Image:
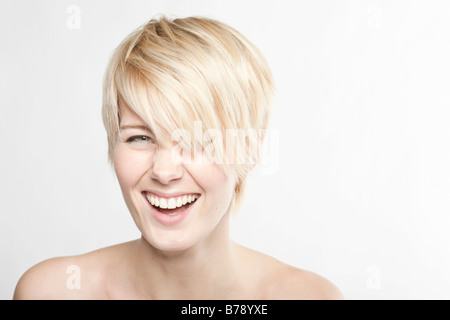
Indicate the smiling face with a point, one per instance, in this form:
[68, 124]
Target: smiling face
[196, 194]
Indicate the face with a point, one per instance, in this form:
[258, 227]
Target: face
[196, 194]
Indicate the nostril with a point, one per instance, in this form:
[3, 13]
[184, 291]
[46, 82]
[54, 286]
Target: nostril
[165, 173]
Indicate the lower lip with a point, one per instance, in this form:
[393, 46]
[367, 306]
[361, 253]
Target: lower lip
[167, 219]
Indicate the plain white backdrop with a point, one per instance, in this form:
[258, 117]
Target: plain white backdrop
[359, 183]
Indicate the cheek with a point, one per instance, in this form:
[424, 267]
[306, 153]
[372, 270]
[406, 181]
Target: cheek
[218, 186]
[129, 166]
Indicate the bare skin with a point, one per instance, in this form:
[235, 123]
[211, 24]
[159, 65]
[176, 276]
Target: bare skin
[213, 268]
[195, 259]
[123, 272]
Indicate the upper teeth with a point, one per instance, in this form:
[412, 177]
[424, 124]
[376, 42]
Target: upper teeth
[170, 203]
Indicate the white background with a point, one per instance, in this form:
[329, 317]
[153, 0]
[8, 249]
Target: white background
[359, 183]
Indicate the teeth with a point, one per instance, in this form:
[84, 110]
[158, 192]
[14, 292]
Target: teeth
[162, 203]
[170, 203]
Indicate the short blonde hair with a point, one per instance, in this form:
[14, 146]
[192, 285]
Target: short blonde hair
[174, 72]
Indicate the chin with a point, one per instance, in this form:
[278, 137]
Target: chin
[169, 242]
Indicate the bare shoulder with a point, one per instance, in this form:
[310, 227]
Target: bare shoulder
[71, 277]
[294, 283]
[50, 279]
[280, 281]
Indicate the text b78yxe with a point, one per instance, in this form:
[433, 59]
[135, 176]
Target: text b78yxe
[245, 309]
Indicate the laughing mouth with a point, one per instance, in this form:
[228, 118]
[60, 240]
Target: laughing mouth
[173, 205]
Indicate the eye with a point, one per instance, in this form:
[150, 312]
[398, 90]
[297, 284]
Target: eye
[139, 139]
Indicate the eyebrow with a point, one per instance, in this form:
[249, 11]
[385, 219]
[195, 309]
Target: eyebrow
[141, 127]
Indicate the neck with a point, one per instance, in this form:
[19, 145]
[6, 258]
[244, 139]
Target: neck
[205, 270]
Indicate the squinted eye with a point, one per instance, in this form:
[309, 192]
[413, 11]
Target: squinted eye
[139, 139]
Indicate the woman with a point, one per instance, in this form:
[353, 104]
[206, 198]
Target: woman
[185, 106]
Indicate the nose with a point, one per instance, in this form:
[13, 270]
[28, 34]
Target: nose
[167, 165]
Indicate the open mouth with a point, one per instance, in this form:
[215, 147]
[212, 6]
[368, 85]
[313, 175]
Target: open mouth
[171, 206]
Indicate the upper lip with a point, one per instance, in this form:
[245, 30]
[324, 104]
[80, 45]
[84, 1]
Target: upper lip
[169, 195]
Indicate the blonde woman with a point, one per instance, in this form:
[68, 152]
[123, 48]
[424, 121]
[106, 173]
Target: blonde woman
[177, 96]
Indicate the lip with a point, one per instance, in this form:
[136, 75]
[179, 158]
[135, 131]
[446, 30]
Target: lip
[164, 218]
